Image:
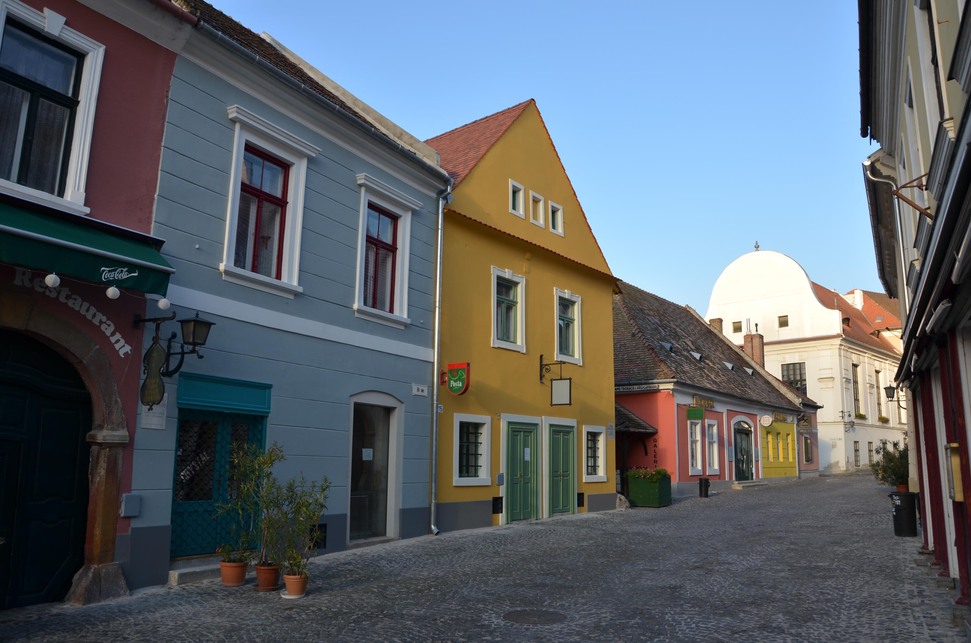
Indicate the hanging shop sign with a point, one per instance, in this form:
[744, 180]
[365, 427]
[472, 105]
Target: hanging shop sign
[458, 378]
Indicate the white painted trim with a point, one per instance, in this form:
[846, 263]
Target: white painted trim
[561, 229]
[93, 54]
[396, 432]
[519, 345]
[577, 330]
[696, 471]
[537, 209]
[297, 146]
[258, 281]
[513, 187]
[486, 451]
[260, 316]
[403, 206]
[589, 429]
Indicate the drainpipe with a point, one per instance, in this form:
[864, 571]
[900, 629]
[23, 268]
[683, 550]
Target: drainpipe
[444, 198]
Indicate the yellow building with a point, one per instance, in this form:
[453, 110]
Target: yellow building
[526, 381]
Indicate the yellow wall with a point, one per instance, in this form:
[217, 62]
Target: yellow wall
[774, 464]
[506, 381]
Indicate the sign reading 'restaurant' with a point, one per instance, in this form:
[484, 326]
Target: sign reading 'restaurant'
[28, 279]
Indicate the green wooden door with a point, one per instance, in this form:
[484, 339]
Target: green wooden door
[45, 412]
[202, 477]
[562, 478]
[521, 482]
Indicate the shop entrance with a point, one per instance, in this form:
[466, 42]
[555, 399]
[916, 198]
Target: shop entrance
[743, 451]
[45, 412]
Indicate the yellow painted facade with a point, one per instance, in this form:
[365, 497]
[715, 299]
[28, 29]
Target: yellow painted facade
[484, 241]
[780, 452]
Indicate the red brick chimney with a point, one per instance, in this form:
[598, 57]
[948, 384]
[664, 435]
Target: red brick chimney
[716, 324]
[754, 347]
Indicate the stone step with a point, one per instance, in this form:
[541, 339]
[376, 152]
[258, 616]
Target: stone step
[749, 484]
[187, 575]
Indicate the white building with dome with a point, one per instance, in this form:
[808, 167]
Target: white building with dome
[839, 350]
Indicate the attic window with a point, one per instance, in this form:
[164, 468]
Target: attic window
[736, 327]
[846, 321]
[749, 370]
[783, 321]
[697, 356]
[668, 346]
[516, 205]
[729, 366]
[879, 319]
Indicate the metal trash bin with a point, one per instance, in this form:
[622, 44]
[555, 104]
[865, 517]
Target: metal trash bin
[704, 484]
[903, 506]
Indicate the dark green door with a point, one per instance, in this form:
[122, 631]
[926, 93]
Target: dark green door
[562, 459]
[202, 477]
[521, 484]
[45, 412]
[743, 452]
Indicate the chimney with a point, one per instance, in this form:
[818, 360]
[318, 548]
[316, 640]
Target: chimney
[754, 347]
[716, 325]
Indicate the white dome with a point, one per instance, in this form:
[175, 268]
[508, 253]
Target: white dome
[758, 275]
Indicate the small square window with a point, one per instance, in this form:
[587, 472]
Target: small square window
[556, 219]
[736, 326]
[537, 208]
[471, 453]
[783, 321]
[516, 205]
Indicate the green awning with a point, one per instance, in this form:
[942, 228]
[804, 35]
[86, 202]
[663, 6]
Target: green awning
[82, 248]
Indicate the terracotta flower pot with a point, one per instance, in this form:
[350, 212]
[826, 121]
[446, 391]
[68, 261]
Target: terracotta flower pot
[267, 578]
[296, 585]
[232, 574]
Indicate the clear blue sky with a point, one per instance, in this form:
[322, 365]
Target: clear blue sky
[690, 130]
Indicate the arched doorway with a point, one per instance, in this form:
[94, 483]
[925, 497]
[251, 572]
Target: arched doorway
[45, 413]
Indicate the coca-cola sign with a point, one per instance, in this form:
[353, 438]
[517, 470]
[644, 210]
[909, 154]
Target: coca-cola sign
[116, 274]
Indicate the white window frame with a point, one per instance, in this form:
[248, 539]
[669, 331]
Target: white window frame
[553, 227]
[485, 450]
[403, 207]
[577, 334]
[514, 188]
[712, 464]
[601, 433]
[255, 131]
[520, 344]
[695, 439]
[537, 209]
[53, 26]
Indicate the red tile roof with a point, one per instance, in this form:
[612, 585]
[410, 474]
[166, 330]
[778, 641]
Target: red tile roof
[463, 147]
[881, 310]
[856, 325]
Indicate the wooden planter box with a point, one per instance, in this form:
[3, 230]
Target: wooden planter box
[644, 493]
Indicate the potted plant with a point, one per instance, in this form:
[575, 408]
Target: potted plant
[255, 505]
[893, 465]
[303, 502]
[649, 487]
[235, 561]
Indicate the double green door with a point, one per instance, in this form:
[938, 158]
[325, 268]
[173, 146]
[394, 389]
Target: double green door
[523, 488]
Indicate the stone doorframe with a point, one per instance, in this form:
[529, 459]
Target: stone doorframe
[100, 578]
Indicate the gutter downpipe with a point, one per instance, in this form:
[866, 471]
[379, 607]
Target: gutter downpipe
[444, 197]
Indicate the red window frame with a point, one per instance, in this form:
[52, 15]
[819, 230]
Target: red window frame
[378, 244]
[262, 197]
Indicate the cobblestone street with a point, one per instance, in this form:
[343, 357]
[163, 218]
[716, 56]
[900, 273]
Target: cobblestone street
[809, 560]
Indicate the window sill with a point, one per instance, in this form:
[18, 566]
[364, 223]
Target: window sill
[42, 198]
[569, 359]
[471, 482]
[259, 282]
[594, 478]
[381, 317]
[518, 348]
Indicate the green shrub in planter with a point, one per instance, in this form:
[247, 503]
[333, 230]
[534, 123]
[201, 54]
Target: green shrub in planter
[648, 487]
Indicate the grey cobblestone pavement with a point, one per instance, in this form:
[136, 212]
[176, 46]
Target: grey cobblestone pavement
[807, 560]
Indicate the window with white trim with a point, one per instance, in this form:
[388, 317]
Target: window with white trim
[516, 198]
[568, 319]
[384, 247]
[265, 215]
[694, 447]
[537, 209]
[556, 218]
[713, 457]
[595, 453]
[49, 80]
[508, 310]
[470, 457]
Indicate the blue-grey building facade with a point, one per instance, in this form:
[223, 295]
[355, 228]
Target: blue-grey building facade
[304, 225]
